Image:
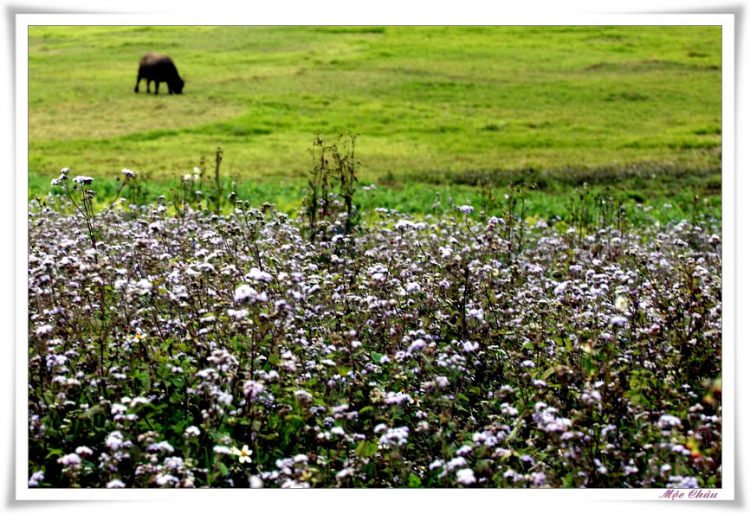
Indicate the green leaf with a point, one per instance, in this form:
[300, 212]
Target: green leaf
[93, 410]
[376, 357]
[587, 367]
[367, 448]
[54, 452]
[414, 480]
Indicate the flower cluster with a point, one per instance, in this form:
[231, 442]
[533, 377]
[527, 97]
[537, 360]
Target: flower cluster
[214, 350]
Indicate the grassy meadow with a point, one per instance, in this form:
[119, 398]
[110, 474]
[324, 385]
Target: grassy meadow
[635, 107]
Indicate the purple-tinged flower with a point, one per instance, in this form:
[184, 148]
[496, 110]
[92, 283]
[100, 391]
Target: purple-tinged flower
[465, 476]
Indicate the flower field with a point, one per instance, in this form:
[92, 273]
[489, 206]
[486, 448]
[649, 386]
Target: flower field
[188, 348]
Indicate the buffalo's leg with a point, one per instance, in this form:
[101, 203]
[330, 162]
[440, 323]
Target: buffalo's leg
[148, 86]
[137, 82]
[156, 89]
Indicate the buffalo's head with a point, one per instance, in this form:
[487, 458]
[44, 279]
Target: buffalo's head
[178, 85]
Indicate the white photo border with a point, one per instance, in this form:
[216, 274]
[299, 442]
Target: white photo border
[268, 499]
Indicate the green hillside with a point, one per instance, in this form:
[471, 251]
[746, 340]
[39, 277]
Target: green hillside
[428, 101]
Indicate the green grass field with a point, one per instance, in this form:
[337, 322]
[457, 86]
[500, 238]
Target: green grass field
[433, 105]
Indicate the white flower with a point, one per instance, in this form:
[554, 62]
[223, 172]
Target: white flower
[412, 286]
[303, 396]
[114, 440]
[630, 469]
[398, 397]
[507, 410]
[192, 431]
[621, 304]
[44, 329]
[243, 454]
[465, 476]
[84, 451]
[162, 479]
[466, 209]
[143, 286]
[83, 180]
[138, 400]
[258, 275]
[485, 438]
[456, 462]
[470, 347]
[253, 389]
[36, 477]
[256, 482]
[115, 484]
[245, 293]
[618, 321]
[345, 473]
[680, 482]
[416, 346]
[237, 314]
[69, 460]
[293, 484]
[395, 436]
[128, 173]
[667, 420]
[162, 446]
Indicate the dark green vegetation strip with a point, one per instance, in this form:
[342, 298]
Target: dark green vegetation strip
[664, 199]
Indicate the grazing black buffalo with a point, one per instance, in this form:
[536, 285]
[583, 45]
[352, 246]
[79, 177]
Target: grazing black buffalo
[159, 68]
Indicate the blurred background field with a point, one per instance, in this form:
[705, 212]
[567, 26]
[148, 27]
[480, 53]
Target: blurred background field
[438, 109]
